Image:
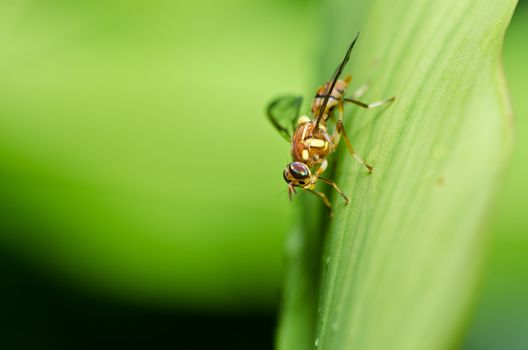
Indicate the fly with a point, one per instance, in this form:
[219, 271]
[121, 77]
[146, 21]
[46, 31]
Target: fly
[311, 143]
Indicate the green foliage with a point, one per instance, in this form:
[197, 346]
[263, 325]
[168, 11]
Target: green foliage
[503, 306]
[135, 159]
[401, 261]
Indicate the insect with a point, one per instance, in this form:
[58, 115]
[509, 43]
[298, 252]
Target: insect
[311, 142]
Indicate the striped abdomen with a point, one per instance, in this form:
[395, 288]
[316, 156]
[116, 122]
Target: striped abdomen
[335, 96]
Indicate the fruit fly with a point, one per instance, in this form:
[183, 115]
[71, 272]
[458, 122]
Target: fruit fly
[311, 142]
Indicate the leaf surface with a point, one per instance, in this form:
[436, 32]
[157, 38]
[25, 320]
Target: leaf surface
[401, 261]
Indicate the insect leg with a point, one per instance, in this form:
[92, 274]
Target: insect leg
[322, 167]
[340, 129]
[369, 105]
[337, 133]
[323, 197]
[360, 91]
[334, 185]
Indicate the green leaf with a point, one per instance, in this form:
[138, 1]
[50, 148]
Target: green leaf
[400, 263]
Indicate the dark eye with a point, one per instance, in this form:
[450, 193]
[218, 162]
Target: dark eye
[299, 170]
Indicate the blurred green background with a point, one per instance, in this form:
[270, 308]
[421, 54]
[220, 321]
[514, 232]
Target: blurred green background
[141, 188]
[501, 313]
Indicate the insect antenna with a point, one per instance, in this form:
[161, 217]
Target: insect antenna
[337, 73]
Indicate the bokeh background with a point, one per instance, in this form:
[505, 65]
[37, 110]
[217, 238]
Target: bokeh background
[141, 196]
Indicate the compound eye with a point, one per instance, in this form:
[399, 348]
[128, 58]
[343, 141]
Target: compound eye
[299, 170]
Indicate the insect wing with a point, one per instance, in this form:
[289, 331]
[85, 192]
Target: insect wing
[283, 113]
[337, 73]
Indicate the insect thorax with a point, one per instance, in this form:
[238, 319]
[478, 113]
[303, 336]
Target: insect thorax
[311, 144]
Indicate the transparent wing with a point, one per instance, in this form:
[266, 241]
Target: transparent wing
[283, 113]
